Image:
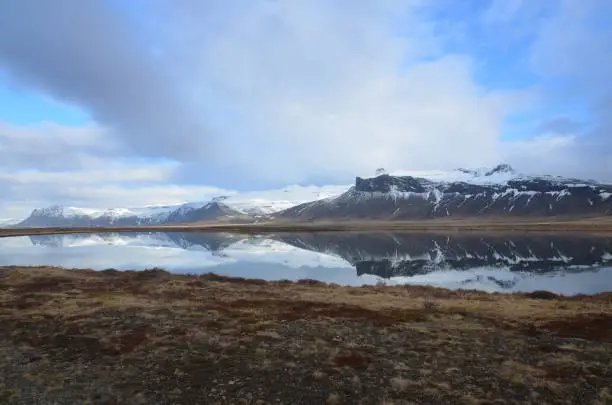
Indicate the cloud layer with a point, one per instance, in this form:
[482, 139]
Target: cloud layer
[88, 54]
[236, 94]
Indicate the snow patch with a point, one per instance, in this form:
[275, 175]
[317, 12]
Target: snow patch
[8, 222]
[271, 201]
[481, 176]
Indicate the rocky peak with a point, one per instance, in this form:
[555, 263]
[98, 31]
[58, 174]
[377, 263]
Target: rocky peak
[53, 210]
[385, 183]
[380, 171]
[501, 168]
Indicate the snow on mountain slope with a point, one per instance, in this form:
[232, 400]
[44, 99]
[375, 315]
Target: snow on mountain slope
[58, 214]
[5, 222]
[494, 192]
[249, 203]
[498, 175]
[269, 201]
[74, 212]
[414, 194]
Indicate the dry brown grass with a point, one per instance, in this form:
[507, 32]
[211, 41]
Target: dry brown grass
[463, 224]
[72, 336]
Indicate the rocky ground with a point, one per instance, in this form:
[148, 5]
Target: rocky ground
[111, 337]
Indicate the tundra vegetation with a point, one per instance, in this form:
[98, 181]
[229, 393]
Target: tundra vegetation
[148, 337]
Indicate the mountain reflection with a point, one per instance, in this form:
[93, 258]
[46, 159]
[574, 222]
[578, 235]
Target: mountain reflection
[391, 254]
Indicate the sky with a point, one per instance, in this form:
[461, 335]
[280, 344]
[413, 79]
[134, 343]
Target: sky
[107, 103]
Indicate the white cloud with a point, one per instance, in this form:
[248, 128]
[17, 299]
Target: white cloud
[104, 196]
[287, 90]
[542, 154]
[572, 58]
[49, 146]
[325, 89]
[49, 164]
[125, 173]
[294, 89]
[23, 198]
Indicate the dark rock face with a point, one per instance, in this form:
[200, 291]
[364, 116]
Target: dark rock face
[391, 255]
[502, 168]
[210, 212]
[392, 197]
[385, 184]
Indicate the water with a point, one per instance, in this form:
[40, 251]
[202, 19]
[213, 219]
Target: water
[565, 264]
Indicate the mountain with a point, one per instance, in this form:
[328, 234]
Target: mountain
[58, 215]
[78, 217]
[496, 192]
[464, 193]
[237, 208]
[261, 203]
[8, 222]
[213, 211]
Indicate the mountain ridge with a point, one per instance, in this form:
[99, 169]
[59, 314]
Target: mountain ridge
[499, 192]
[248, 206]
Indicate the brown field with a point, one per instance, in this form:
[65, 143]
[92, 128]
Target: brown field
[112, 337]
[602, 225]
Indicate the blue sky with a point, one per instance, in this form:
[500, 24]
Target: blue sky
[22, 107]
[184, 101]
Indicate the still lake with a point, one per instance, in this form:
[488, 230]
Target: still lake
[562, 263]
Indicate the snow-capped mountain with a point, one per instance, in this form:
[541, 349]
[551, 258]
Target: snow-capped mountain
[8, 222]
[464, 193]
[80, 217]
[483, 175]
[270, 201]
[493, 192]
[58, 215]
[238, 207]
[212, 211]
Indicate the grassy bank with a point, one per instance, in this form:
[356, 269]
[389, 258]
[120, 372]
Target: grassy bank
[520, 224]
[111, 337]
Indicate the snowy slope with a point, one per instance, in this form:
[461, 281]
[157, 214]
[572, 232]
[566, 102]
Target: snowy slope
[6, 222]
[269, 201]
[255, 203]
[492, 192]
[403, 195]
[498, 175]
[58, 215]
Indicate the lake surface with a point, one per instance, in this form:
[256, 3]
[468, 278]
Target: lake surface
[565, 264]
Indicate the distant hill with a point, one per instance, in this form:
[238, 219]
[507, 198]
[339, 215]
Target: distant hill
[241, 207]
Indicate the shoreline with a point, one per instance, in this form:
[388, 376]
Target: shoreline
[597, 225]
[79, 335]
